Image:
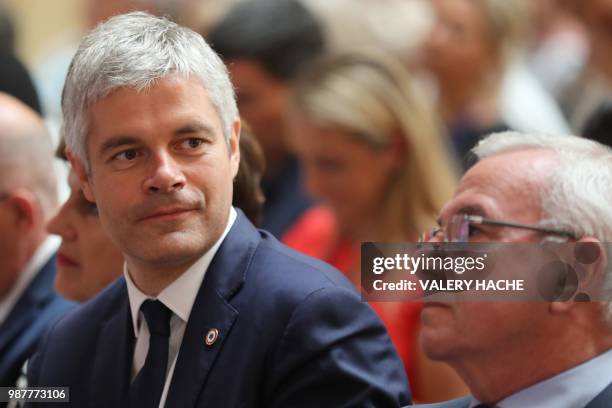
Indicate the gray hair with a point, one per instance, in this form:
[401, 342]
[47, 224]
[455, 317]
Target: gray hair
[578, 195]
[134, 50]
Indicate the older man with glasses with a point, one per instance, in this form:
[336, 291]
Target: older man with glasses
[529, 188]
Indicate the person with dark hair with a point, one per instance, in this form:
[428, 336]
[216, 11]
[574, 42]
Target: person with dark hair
[599, 125]
[248, 195]
[16, 81]
[266, 44]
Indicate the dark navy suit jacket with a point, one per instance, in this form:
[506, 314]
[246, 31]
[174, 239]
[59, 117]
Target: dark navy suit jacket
[27, 321]
[292, 333]
[602, 400]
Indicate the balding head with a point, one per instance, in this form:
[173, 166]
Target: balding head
[26, 153]
[27, 187]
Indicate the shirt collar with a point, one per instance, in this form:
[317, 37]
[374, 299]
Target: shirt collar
[43, 253]
[180, 295]
[575, 387]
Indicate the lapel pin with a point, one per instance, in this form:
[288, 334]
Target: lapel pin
[211, 337]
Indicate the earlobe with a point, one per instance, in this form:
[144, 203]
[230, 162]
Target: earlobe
[84, 180]
[88, 192]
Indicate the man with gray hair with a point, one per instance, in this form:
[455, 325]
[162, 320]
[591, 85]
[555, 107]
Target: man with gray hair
[530, 189]
[27, 261]
[209, 311]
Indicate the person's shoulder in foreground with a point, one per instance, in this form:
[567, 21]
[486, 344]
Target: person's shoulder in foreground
[291, 332]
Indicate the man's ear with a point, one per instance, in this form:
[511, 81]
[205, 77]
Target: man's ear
[590, 265]
[83, 175]
[234, 146]
[27, 210]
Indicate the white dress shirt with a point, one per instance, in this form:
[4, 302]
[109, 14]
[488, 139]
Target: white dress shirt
[572, 388]
[179, 297]
[42, 255]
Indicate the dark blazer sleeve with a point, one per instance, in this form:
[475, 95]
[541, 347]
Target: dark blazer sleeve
[33, 368]
[335, 346]
[35, 365]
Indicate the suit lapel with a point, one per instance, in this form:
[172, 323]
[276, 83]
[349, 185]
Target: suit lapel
[113, 354]
[212, 310]
[603, 399]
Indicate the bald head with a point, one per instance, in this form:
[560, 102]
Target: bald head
[26, 152]
[16, 114]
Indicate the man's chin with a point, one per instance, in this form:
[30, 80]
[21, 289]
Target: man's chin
[170, 249]
[435, 345]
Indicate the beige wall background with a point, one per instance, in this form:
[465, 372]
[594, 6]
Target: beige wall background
[43, 24]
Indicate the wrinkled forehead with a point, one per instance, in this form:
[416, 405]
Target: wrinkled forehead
[505, 186]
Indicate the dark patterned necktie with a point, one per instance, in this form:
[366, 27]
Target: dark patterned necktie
[147, 387]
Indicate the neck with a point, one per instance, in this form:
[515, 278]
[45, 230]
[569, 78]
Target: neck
[152, 278]
[491, 377]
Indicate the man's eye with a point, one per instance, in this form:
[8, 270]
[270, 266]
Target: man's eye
[126, 155]
[472, 230]
[191, 143]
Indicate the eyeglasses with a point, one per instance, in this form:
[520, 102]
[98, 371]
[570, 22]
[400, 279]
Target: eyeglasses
[460, 226]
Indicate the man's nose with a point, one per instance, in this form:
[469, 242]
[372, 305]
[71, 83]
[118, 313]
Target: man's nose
[60, 225]
[166, 175]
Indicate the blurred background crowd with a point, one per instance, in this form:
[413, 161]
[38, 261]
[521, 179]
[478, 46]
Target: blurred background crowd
[361, 114]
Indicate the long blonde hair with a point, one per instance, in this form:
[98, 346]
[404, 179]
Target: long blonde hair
[370, 96]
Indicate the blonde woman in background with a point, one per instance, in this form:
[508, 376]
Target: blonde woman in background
[374, 153]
